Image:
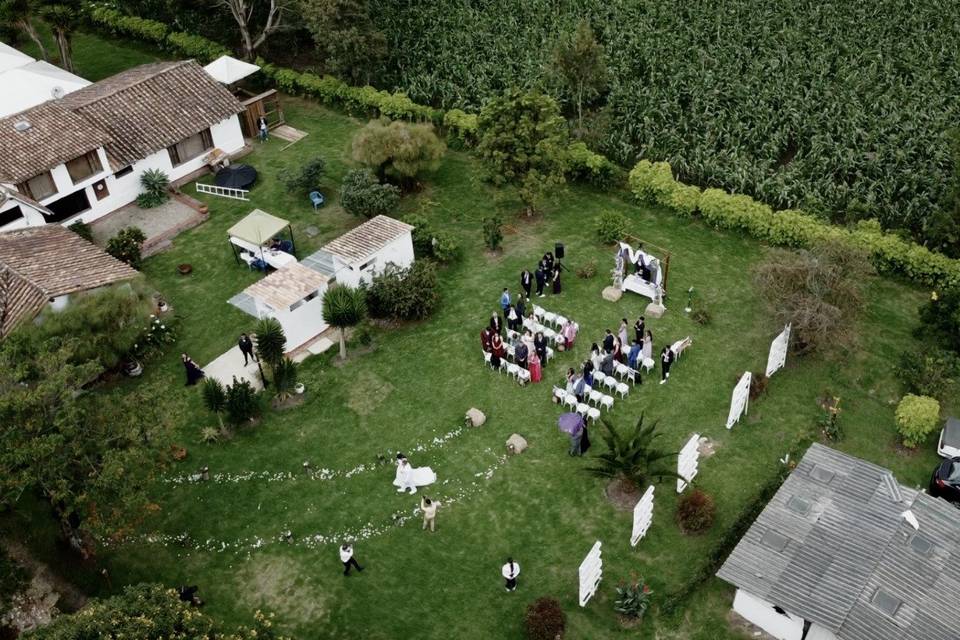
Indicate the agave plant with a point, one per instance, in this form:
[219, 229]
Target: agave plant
[632, 457]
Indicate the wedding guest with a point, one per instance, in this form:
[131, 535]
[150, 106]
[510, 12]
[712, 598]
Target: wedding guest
[622, 333]
[522, 306]
[346, 557]
[528, 340]
[579, 387]
[569, 333]
[638, 328]
[510, 571]
[548, 263]
[608, 341]
[540, 346]
[513, 318]
[520, 354]
[595, 356]
[526, 281]
[485, 336]
[246, 348]
[666, 359]
[533, 366]
[617, 350]
[606, 364]
[633, 355]
[194, 372]
[496, 346]
[646, 352]
[429, 509]
[505, 300]
[571, 378]
[496, 324]
[541, 278]
[588, 370]
[556, 281]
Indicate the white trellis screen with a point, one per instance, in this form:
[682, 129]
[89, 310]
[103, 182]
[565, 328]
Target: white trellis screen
[740, 400]
[778, 352]
[591, 571]
[642, 516]
[688, 462]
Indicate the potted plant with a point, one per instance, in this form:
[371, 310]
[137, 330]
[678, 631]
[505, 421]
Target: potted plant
[633, 600]
[299, 388]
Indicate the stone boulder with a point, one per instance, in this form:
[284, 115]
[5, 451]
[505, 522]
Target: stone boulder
[475, 417]
[516, 444]
[655, 310]
[612, 294]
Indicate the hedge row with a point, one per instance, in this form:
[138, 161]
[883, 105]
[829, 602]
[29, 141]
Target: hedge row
[154, 32]
[653, 183]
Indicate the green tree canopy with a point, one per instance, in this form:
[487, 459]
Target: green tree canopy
[362, 194]
[523, 140]
[397, 149]
[344, 307]
[345, 36]
[578, 61]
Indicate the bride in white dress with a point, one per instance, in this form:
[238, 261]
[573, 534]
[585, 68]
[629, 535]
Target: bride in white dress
[409, 478]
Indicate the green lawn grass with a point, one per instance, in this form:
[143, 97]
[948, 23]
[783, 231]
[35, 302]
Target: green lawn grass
[416, 383]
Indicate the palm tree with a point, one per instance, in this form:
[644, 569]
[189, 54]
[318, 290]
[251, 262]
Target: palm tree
[270, 342]
[632, 458]
[62, 20]
[344, 307]
[20, 13]
[214, 398]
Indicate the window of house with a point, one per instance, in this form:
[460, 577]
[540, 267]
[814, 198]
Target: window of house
[83, 167]
[367, 265]
[38, 187]
[10, 215]
[126, 170]
[189, 148]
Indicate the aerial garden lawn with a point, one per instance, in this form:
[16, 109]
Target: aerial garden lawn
[408, 392]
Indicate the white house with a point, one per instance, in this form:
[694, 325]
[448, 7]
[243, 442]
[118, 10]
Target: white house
[28, 82]
[844, 552]
[293, 294]
[81, 156]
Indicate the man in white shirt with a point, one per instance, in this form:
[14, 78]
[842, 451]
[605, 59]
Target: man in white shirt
[429, 508]
[510, 571]
[346, 557]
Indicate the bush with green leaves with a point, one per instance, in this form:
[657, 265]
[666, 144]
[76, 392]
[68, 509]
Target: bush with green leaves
[429, 242]
[82, 229]
[633, 598]
[344, 307]
[362, 194]
[611, 227]
[696, 511]
[584, 165]
[306, 178]
[128, 26]
[632, 457]
[544, 620]
[404, 294]
[285, 378]
[397, 150]
[928, 372]
[13, 579]
[462, 128]
[126, 246]
[243, 402]
[917, 417]
[214, 398]
[493, 232]
[189, 45]
[154, 184]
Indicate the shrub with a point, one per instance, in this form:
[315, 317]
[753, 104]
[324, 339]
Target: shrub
[192, 46]
[82, 229]
[285, 378]
[611, 227]
[404, 294]
[830, 420]
[13, 579]
[154, 183]
[462, 128]
[940, 318]
[430, 243]
[492, 232]
[818, 291]
[214, 399]
[928, 373]
[758, 385]
[588, 269]
[126, 246]
[701, 316]
[307, 178]
[129, 26]
[544, 620]
[633, 598]
[917, 417]
[154, 337]
[243, 403]
[586, 166]
[362, 194]
[445, 248]
[695, 512]
[397, 149]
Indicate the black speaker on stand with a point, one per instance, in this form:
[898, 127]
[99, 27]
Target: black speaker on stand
[558, 250]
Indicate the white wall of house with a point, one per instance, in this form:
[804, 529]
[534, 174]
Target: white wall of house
[32, 217]
[299, 325]
[123, 190]
[762, 613]
[398, 252]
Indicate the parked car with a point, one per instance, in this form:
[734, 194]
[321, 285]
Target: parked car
[945, 482]
[949, 444]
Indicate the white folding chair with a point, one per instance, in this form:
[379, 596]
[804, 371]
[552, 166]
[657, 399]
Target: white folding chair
[503, 365]
[560, 320]
[550, 334]
[680, 346]
[559, 393]
[513, 369]
[486, 357]
[595, 396]
[582, 409]
[621, 370]
[610, 383]
[549, 316]
[593, 414]
[598, 378]
[523, 376]
[623, 389]
[570, 400]
[587, 389]
[607, 402]
[549, 354]
[647, 364]
[538, 311]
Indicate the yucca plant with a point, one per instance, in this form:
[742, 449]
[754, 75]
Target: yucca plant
[632, 458]
[214, 398]
[271, 341]
[154, 183]
[344, 307]
[284, 378]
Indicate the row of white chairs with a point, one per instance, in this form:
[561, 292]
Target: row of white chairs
[591, 412]
[548, 333]
[515, 370]
[549, 317]
[610, 382]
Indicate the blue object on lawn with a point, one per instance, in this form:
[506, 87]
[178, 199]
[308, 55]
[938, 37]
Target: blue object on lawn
[317, 199]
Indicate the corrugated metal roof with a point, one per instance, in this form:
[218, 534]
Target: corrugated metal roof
[852, 543]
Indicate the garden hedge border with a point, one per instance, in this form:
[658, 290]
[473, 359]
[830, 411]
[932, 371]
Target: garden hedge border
[651, 182]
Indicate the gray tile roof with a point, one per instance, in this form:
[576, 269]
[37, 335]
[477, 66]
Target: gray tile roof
[851, 543]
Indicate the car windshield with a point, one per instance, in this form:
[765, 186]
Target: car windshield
[953, 476]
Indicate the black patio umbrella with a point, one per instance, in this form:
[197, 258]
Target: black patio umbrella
[236, 176]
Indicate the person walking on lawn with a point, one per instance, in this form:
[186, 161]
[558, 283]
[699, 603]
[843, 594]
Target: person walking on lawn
[346, 557]
[429, 509]
[510, 571]
[246, 348]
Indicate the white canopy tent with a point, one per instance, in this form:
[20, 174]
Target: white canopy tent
[228, 70]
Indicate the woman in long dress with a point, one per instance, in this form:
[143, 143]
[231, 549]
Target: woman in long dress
[595, 356]
[496, 346]
[647, 351]
[622, 334]
[193, 370]
[409, 478]
[556, 281]
[540, 346]
[569, 333]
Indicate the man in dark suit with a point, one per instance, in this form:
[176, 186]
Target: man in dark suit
[541, 277]
[526, 281]
[608, 342]
[246, 348]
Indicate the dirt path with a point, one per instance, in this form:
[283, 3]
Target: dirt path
[44, 578]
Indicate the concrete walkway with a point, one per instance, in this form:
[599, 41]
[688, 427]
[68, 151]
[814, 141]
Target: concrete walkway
[230, 364]
[159, 224]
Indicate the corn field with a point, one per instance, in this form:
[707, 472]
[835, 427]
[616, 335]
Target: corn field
[839, 107]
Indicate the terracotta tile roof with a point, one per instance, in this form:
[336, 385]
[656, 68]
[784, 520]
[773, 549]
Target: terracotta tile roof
[362, 242]
[40, 263]
[287, 285]
[150, 107]
[55, 136]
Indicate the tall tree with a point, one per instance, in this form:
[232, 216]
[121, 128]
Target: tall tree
[578, 60]
[397, 149]
[271, 342]
[245, 12]
[344, 307]
[345, 35]
[523, 141]
[63, 21]
[20, 13]
[91, 459]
